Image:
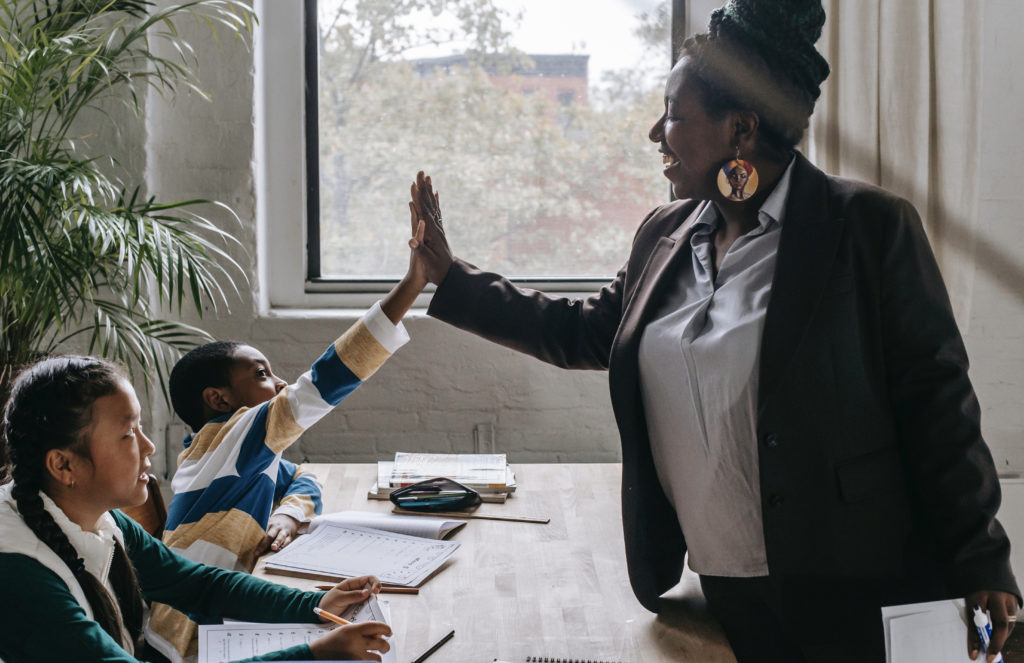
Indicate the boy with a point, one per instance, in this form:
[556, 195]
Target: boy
[231, 472]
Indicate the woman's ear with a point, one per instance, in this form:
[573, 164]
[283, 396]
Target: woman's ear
[215, 398]
[745, 125]
[60, 465]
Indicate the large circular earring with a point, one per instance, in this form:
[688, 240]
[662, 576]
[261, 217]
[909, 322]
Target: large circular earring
[737, 179]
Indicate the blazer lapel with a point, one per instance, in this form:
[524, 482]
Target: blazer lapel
[807, 249]
[654, 278]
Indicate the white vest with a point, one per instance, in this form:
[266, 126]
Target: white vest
[95, 548]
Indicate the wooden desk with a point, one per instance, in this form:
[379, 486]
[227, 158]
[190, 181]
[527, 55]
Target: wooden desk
[518, 589]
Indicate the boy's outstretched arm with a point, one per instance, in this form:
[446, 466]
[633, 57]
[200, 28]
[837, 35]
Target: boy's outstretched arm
[398, 301]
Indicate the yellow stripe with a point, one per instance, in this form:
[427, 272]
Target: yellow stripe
[174, 627]
[360, 351]
[304, 502]
[233, 530]
[282, 429]
[209, 437]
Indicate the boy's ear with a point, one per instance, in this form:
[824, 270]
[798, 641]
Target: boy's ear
[215, 399]
[58, 463]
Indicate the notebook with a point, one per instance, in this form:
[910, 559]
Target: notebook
[548, 659]
[334, 551]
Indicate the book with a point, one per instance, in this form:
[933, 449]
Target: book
[482, 472]
[425, 527]
[334, 551]
[387, 480]
[377, 493]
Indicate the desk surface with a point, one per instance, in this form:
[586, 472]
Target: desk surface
[520, 589]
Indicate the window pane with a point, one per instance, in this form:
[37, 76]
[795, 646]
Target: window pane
[531, 116]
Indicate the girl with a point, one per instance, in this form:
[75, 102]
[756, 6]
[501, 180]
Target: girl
[69, 560]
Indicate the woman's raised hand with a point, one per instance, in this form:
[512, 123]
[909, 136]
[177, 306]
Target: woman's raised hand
[429, 243]
[355, 642]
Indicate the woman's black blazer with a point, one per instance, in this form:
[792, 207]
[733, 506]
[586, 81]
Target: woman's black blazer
[871, 458]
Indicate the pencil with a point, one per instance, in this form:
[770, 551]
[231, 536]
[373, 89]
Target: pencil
[384, 589]
[331, 616]
[436, 646]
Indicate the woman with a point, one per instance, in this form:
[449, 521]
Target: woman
[787, 377]
[76, 570]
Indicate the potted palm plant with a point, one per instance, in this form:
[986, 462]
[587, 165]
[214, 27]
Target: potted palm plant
[86, 256]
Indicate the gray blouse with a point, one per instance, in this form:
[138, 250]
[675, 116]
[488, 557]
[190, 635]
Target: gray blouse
[698, 379]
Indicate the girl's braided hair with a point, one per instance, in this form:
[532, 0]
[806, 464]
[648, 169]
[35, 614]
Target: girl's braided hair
[50, 407]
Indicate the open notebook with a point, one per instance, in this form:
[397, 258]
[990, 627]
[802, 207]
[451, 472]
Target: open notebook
[332, 551]
[426, 527]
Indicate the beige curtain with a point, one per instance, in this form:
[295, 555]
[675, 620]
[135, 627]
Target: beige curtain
[900, 110]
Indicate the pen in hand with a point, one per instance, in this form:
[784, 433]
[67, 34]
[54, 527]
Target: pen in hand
[984, 627]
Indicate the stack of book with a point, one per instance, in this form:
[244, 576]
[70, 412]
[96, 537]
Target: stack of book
[487, 474]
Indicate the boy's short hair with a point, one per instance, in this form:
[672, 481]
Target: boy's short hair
[206, 366]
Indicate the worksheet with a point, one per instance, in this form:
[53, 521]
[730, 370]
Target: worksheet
[347, 551]
[233, 641]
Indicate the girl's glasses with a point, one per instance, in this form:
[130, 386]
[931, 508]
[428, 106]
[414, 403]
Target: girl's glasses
[438, 494]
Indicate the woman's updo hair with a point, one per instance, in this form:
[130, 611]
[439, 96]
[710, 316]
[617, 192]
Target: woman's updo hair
[50, 407]
[759, 55]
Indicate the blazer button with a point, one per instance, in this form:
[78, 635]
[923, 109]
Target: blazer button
[771, 440]
[776, 500]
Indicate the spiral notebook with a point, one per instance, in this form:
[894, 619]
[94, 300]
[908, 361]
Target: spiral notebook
[548, 659]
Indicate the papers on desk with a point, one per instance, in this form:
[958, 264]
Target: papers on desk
[935, 632]
[233, 641]
[336, 551]
[478, 471]
[488, 474]
[428, 528]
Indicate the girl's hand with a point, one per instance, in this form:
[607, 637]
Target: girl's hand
[430, 246]
[355, 642]
[349, 592]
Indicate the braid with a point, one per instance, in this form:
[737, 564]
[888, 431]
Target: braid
[126, 589]
[39, 520]
[50, 407]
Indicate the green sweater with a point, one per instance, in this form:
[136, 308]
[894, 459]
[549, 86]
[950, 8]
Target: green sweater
[40, 620]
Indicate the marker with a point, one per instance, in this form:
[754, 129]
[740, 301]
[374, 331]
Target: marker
[437, 645]
[984, 632]
[330, 616]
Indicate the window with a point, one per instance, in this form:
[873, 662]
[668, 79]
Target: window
[547, 187]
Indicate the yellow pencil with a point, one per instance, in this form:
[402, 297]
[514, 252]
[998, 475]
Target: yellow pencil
[332, 617]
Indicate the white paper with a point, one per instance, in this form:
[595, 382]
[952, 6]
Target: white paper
[232, 641]
[338, 551]
[429, 528]
[470, 469]
[933, 632]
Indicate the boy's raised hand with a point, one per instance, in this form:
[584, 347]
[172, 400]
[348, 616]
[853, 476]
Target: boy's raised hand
[355, 642]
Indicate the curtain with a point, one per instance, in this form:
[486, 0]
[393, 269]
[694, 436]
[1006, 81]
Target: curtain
[901, 109]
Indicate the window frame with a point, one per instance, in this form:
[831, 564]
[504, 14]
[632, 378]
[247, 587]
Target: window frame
[287, 122]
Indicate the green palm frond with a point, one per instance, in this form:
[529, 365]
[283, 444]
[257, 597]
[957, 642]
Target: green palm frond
[83, 255]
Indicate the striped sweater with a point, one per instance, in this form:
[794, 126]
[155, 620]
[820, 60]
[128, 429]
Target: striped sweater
[229, 475]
